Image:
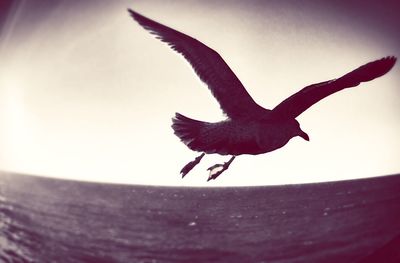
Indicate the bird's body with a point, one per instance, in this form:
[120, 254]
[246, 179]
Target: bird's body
[249, 128]
[233, 137]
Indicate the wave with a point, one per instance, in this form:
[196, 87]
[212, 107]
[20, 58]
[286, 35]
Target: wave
[50, 220]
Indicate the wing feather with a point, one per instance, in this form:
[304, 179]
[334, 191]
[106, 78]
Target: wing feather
[233, 98]
[308, 96]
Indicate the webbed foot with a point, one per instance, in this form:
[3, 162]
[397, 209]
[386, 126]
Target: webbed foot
[214, 174]
[189, 166]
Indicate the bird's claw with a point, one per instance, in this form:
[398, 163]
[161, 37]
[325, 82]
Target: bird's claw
[225, 166]
[189, 166]
[214, 167]
[212, 175]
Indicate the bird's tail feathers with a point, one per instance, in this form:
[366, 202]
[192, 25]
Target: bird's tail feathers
[187, 129]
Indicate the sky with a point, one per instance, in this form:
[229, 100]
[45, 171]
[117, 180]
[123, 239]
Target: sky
[88, 94]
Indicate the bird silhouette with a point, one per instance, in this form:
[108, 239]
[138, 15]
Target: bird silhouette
[248, 128]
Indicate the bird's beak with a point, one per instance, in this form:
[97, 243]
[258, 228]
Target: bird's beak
[304, 136]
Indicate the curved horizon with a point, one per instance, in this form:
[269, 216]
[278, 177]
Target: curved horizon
[80, 77]
[111, 183]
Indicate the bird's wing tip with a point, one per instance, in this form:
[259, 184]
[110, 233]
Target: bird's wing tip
[390, 62]
[133, 14]
[390, 59]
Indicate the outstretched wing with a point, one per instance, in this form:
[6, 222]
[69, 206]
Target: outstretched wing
[308, 96]
[233, 98]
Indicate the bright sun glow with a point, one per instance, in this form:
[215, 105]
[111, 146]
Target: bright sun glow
[14, 132]
[89, 95]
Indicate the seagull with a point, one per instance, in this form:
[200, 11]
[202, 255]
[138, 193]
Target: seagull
[249, 128]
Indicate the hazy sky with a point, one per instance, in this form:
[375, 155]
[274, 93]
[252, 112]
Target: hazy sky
[88, 94]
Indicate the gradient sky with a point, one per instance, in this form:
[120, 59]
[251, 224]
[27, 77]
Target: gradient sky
[88, 94]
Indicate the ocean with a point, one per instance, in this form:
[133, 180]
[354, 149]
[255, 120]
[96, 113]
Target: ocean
[51, 220]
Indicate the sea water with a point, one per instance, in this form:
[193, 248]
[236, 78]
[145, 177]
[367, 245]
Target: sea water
[50, 220]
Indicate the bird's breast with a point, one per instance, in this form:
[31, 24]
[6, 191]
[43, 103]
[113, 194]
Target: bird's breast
[270, 137]
[236, 138]
[254, 137]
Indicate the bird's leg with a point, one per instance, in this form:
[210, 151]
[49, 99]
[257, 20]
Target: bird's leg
[189, 166]
[213, 175]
